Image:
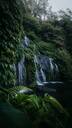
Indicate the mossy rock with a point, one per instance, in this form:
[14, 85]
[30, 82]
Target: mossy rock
[20, 90]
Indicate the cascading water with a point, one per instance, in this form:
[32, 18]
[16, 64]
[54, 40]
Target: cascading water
[40, 76]
[46, 69]
[54, 71]
[20, 72]
[26, 41]
[51, 69]
[19, 67]
[47, 76]
[43, 75]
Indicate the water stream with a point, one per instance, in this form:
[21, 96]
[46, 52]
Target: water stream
[19, 67]
[46, 70]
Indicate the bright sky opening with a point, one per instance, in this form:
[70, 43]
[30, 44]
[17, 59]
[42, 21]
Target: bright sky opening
[60, 4]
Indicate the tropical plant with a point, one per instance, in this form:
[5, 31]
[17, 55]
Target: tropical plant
[42, 110]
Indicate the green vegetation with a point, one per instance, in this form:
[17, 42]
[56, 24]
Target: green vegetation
[10, 36]
[50, 35]
[35, 110]
[11, 117]
[51, 38]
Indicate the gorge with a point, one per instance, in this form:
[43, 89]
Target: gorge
[35, 65]
[45, 68]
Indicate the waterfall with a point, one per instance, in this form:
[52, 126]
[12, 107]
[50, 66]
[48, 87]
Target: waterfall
[40, 76]
[21, 72]
[43, 75]
[56, 73]
[46, 69]
[19, 67]
[51, 64]
[26, 41]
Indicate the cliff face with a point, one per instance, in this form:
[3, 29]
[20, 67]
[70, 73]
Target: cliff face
[10, 34]
[17, 61]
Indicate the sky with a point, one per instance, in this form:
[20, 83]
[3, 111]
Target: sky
[60, 4]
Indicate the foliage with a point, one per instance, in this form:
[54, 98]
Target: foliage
[36, 8]
[32, 36]
[36, 110]
[31, 24]
[30, 71]
[50, 32]
[11, 117]
[51, 38]
[42, 111]
[10, 36]
[51, 49]
[29, 64]
[64, 61]
[66, 23]
[45, 48]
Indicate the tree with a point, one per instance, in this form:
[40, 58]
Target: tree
[51, 16]
[66, 24]
[37, 8]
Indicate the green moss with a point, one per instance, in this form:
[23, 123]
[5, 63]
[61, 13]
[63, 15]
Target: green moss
[31, 24]
[64, 61]
[10, 36]
[30, 71]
